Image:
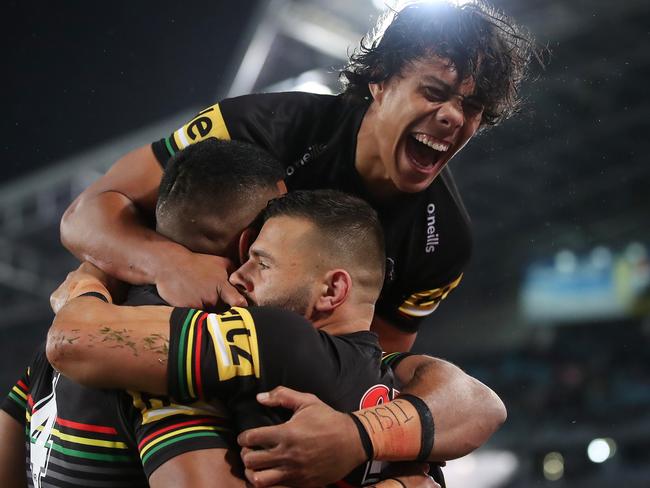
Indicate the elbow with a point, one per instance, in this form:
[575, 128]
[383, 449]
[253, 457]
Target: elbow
[67, 225]
[59, 349]
[63, 350]
[489, 418]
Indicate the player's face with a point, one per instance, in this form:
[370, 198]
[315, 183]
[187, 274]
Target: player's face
[282, 266]
[424, 116]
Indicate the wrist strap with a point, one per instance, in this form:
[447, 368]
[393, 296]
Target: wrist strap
[365, 438]
[94, 294]
[90, 286]
[426, 425]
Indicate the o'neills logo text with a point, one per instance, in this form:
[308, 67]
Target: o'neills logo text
[432, 236]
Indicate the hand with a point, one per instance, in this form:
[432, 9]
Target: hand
[317, 446]
[85, 271]
[197, 280]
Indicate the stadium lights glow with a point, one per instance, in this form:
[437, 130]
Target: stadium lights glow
[399, 4]
[600, 450]
[313, 87]
[553, 466]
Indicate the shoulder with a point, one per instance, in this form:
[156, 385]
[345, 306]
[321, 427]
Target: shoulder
[281, 103]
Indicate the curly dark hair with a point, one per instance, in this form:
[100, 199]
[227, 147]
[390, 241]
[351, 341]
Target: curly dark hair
[480, 41]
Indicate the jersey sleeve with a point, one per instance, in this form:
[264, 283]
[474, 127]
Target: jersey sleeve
[162, 429]
[406, 313]
[244, 352]
[277, 122]
[16, 402]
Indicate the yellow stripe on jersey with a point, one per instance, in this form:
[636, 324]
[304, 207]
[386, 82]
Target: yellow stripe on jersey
[423, 303]
[235, 343]
[85, 440]
[19, 392]
[174, 433]
[208, 123]
[190, 344]
[154, 410]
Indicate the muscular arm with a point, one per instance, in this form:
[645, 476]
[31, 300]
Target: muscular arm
[106, 223]
[465, 411]
[12, 452]
[107, 226]
[319, 444]
[104, 345]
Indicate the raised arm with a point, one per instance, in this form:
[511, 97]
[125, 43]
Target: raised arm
[110, 225]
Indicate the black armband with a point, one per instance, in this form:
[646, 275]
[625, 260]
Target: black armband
[426, 425]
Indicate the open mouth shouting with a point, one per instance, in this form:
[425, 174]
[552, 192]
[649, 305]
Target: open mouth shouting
[424, 152]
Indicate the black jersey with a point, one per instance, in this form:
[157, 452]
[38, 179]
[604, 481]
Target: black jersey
[428, 239]
[235, 355]
[87, 437]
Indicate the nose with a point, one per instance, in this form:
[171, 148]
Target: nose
[240, 280]
[450, 113]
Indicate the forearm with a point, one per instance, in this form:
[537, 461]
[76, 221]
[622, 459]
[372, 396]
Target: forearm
[464, 412]
[108, 230]
[109, 346]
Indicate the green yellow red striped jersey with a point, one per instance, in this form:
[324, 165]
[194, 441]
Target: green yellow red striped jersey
[87, 437]
[233, 356]
[428, 237]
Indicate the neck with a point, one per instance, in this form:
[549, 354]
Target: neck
[345, 321]
[368, 161]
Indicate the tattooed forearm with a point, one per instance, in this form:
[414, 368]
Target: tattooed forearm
[158, 343]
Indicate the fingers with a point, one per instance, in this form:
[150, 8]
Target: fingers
[268, 477]
[230, 295]
[286, 398]
[261, 437]
[257, 459]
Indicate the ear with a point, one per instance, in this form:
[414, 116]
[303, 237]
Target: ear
[337, 287]
[246, 239]
[377, 91]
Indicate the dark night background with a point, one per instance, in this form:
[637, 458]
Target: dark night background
[562, 188]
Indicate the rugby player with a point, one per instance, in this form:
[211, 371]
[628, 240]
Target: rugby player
[319, 255]
[416, 91]
[105, 438]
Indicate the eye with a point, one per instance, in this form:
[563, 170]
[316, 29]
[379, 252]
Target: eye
[262, 265]
[472, 106]
[434, 94]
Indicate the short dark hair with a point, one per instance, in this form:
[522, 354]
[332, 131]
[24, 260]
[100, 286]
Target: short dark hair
[214, 174]
[350, 226]
[480, 41]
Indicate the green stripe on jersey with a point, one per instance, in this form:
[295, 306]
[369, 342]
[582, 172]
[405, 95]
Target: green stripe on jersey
[88, 455]
[169, 146]
[18, 400]
[177, 439]
[183, 387]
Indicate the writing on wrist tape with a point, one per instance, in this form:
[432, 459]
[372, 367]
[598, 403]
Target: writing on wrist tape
[400, 430]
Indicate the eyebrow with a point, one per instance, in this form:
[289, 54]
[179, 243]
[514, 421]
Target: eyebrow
[473, 97]
[259, 253]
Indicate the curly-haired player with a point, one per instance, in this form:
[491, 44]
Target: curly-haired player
[416, 91]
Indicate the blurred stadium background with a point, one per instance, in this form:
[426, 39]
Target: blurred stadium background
[553, 310]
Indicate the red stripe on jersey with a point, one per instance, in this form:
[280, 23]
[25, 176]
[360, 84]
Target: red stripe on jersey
[30, 401]
[197, 356]
[22, 385]
[87, 427]
[204, 421]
